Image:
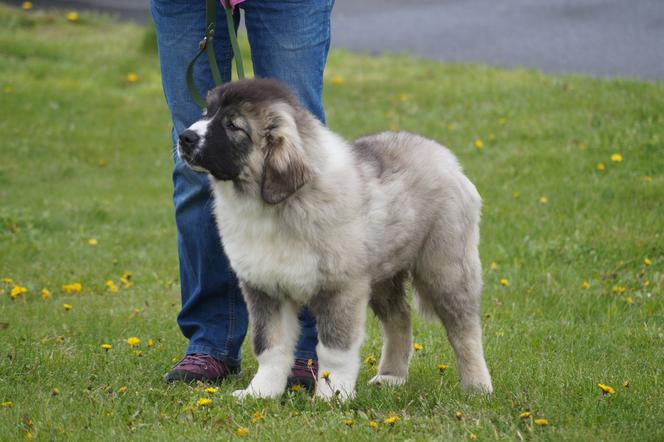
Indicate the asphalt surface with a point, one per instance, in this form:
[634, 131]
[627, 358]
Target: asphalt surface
[603, 38]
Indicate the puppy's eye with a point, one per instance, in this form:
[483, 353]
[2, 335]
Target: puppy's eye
[231, 126]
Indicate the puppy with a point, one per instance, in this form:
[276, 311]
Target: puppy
[307, 218]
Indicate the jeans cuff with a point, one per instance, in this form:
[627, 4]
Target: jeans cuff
[306, 355]
[232, 363]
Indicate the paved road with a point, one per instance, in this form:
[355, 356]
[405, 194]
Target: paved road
[596, 37]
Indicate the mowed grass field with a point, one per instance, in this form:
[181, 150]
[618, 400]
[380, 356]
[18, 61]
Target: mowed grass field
[570, 170]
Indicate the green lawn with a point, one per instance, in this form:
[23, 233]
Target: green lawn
[86, 155]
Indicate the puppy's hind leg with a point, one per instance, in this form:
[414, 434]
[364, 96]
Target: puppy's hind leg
[275, 331]
[340, 317]
[388, 301]
[448, 278]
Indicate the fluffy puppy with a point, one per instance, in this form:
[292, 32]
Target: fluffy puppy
[307, 218]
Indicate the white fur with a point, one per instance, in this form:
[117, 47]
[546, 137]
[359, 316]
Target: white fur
[261, 249]
[343, 367]
[387, 379]
[200, 127]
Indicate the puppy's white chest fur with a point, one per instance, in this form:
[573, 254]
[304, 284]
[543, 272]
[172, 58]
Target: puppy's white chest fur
[261, 250]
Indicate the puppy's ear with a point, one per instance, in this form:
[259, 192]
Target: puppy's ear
[287, 167]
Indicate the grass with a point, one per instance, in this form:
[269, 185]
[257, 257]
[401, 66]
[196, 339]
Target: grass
[86, 154]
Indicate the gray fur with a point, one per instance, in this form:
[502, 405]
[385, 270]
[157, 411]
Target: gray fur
[263, 310]
[363, 217]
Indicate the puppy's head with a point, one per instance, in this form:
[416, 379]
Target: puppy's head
[250, 134]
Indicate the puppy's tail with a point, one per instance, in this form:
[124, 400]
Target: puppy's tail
[424, 307]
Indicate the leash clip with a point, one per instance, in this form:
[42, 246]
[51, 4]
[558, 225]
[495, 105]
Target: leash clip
[202, 43]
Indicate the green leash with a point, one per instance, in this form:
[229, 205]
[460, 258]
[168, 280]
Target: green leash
[207, 45]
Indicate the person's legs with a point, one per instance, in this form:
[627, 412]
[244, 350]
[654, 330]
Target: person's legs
[213, 316]
[289, 42]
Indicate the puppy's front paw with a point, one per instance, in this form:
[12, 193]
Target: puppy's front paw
[326, 391]
[242, 394]
[387, 379]
[260, 391]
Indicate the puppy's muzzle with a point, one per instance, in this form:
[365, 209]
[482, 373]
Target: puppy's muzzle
[188, 142]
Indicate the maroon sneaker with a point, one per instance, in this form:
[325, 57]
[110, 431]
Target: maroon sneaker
[198, 367]
[303, 375]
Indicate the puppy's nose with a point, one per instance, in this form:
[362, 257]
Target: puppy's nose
[188, 138]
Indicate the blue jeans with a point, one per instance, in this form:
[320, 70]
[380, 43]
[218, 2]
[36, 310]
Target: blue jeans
[289, 41]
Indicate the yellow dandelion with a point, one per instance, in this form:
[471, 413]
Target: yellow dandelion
[123, 389]
[211, 390]
[458, 414]
[391, 420]
[67, 307]
[372, 424]
[600, 166]
[541, 422]
[493, 266]
[132, 77]
[26, 6]
[111, 287]
[55, 392]
[585, 285]
[619, 289]
[125, 279]
[28, 435]
[74, 287]
[504, 282]
[106, 347]
[417, 346]
[150, 342]
[17, 291]
[472, 436]
[625, 384]
[7, 404]
[616, 158]
[525, 415]
[296, 388]
[370, 360]
[647, 261]
[646, 283]
[93, 242]
[337, 80]
[242, 432]
[326, 375]
[258, 416]
[72, 16]
[502, 121]
[500, 333]
[7, 281]
[348, 422]
[204, 402]
[442, 368]
[606, 389]
[45, 294]
[543, 200]
[60, 339]
[310, 362]
[629, 300]
[133, 341]
[479, 144]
